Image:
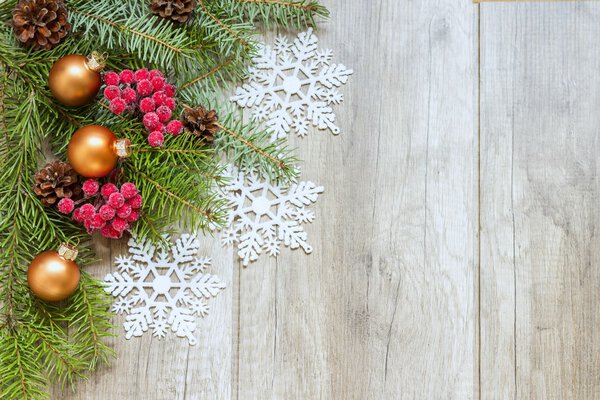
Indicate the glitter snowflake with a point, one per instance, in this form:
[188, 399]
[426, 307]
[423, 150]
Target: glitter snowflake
[162, 288]
[292, 85]
[263, 215]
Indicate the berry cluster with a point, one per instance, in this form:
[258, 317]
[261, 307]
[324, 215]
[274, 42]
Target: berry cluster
[148, 93]
[112, 211]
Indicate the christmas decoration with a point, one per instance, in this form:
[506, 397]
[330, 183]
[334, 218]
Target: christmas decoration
[45, 343]
[56, 181]
[146, 93]
[94, 150]
[263, 215]
[293, 85]
[201, 123]
[108, 208]
[54, 275]
[40, 24]
[174, 10]
[74, 80]
[162, 289]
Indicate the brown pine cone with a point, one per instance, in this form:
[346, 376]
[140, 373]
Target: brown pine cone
[40, 24]
[56, 181]
[174, 10]
[201, 122]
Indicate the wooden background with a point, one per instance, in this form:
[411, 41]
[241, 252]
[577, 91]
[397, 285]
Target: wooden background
[457, 244]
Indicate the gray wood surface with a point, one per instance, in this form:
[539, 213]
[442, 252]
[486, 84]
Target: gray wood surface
[455, 246]
[539, 201]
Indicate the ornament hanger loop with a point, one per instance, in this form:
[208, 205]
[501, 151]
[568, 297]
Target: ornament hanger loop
[67, 251]
[97, 61]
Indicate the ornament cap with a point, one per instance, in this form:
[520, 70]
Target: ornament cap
[68, 252]
[122, 147]
[96, 61]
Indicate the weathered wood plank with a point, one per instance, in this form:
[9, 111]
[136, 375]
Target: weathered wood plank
[539, 200]
[385, 306]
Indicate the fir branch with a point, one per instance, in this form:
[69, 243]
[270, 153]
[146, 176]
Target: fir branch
[208, 74]
[249, 146]
[55, 354]
[279, 163]
[128, 26]
[20, 377]
[89, 311]
[214, 26]
[299, 14]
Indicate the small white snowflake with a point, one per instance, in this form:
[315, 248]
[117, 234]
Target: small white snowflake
[263, 215]
[292, 85]
[162, 289]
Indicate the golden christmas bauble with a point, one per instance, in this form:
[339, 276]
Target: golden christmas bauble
[53, 275]
[75, 80]
[94, 150]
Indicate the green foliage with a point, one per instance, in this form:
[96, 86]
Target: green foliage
[43, 343]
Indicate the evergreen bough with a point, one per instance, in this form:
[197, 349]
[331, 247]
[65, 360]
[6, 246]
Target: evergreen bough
[43, 343]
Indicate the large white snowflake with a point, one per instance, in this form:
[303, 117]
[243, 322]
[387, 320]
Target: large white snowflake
[263, 215]
[162, 288]
[292, 85]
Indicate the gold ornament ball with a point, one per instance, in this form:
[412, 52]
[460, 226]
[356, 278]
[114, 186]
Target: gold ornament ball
[75, 80]
[94, 150]
[53, 277]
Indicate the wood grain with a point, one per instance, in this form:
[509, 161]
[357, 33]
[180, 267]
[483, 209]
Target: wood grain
[540, 192]
[384, 308]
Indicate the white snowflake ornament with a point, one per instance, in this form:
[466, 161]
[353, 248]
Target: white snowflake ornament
[293, 85]
[263, 215]
[162, 289]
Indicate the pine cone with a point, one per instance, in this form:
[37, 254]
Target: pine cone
[40, 24]
[56, 181]
[174, 10]
[201, 122]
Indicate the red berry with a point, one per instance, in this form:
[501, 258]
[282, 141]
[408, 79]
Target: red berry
[147, 105]
[159, 98]
[155, 73]
[116, 200]
[145, 88]
[98, 222]
[124, 211]
[175, 127]
[128, 190]
[107, 190]
[109, 232]
[119, 224]
[66, 206]
[171, 103]
[170, 90]
[87, 211]
[129, 95]
[111, 78]
[156, 139]
[77, 216]
[106, 212]
[151, 121]
[89, 225]
[140, 74]
[112, 92]
[133, 216]
[90, 187]
[127, 76]
[135, 202]
[157, 83]
[118, 105]
[164, 113]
